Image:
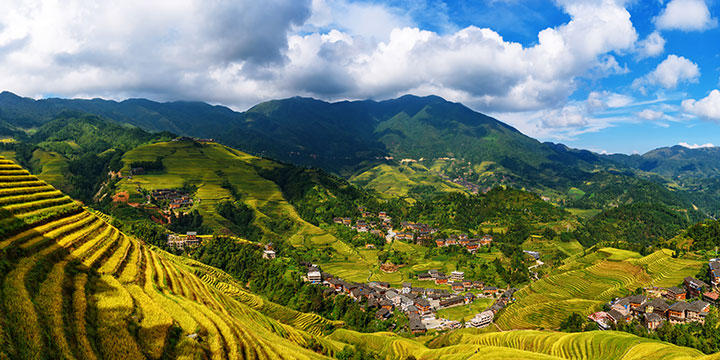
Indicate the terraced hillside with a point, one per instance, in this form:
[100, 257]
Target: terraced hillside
[208, 166]
[75, 287]
[583, 284]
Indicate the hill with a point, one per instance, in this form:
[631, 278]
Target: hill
[676, 162]
[76, 287]
[586, 282]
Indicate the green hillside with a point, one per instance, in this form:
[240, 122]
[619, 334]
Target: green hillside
[584, 283]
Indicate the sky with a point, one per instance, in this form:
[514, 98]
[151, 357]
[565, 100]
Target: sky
[616, 76]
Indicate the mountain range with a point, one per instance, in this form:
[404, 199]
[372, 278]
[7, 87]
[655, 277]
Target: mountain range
[352, 137]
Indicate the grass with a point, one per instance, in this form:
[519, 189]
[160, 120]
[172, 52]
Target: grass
[583, 284]
[399, 180]
[465, 312]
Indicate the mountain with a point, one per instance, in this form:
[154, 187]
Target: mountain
[676, 162]
[356, 139]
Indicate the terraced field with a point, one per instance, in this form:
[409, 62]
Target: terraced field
[75, 287]
[585, 283]
[479, 344]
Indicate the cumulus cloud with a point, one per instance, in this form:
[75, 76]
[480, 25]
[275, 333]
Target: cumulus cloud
[652, 45]
[696, 146]
[649, 114]
[241, 52]
[686, 15]
[707, 107]
[671, 72]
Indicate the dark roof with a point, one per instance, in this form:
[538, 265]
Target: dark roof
[652, 317]
[695, 282]
[416, 324]
[675, 290]
[616, 315]
[406, 284]
[657, 304]
[637, 299]
[698, 306]
[422, 302]
[680, 306]
[382, 313]
[491, 288]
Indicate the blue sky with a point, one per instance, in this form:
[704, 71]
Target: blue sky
[605, 75]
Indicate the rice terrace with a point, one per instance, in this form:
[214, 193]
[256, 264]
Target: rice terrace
[359, 180]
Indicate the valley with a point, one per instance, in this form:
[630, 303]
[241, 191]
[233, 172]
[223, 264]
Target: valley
[470, 240]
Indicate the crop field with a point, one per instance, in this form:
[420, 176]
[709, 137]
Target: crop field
[465, 312]
[77, 287]
[398, 180]
[583, 284]
[207, 166]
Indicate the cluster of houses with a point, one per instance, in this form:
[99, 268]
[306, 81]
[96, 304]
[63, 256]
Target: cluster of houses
[671, 306]
[418, 303]
[175, 198]
[372, 226]
[471, 245]
[418, 232]
[180, 241]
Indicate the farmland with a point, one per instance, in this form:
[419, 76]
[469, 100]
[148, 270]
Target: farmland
[76, 287]
[583, 284]
[79, 288]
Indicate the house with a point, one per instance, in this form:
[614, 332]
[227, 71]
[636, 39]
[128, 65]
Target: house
[441, 280]
[406, 287]
[383, 314]
[675, 293]
[338, 220]
[336, 284]
[347, 221]
[451, 242]
[382, 214]
[601, 318]
[657, 306]
[694, 286]
[454, 301]
[440, 242]
[469, 297]
[472, 247]
[268, 254]
[314, 277]
[412, 309]
[714, 272]
[462, 236]
[676, 312]
[423, 305]
[486, 240]
[478, 285]
[636, 301]
[482, 319]
[383, 284]
[652, 321]
[433, 273]
[463, 242]
[370, 246]
[697, 311]
[711, 297]
[417, 291]
[458, 287]
[416, 325]
[490, 290]
[457, 276]
[404, 236]
[467, 284]
[618, 317]
[424, 277]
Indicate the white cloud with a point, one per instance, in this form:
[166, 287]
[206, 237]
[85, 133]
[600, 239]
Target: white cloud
[671, 72]
[649, 114]
[686, 15]
[652, 45]
[707, 108]
[696, 146]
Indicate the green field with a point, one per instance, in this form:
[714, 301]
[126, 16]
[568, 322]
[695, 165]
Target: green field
[400, 180]
[465, 312]
[583, 284]
[207, 166]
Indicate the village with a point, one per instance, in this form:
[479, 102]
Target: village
[675, 305]
[419, 304]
